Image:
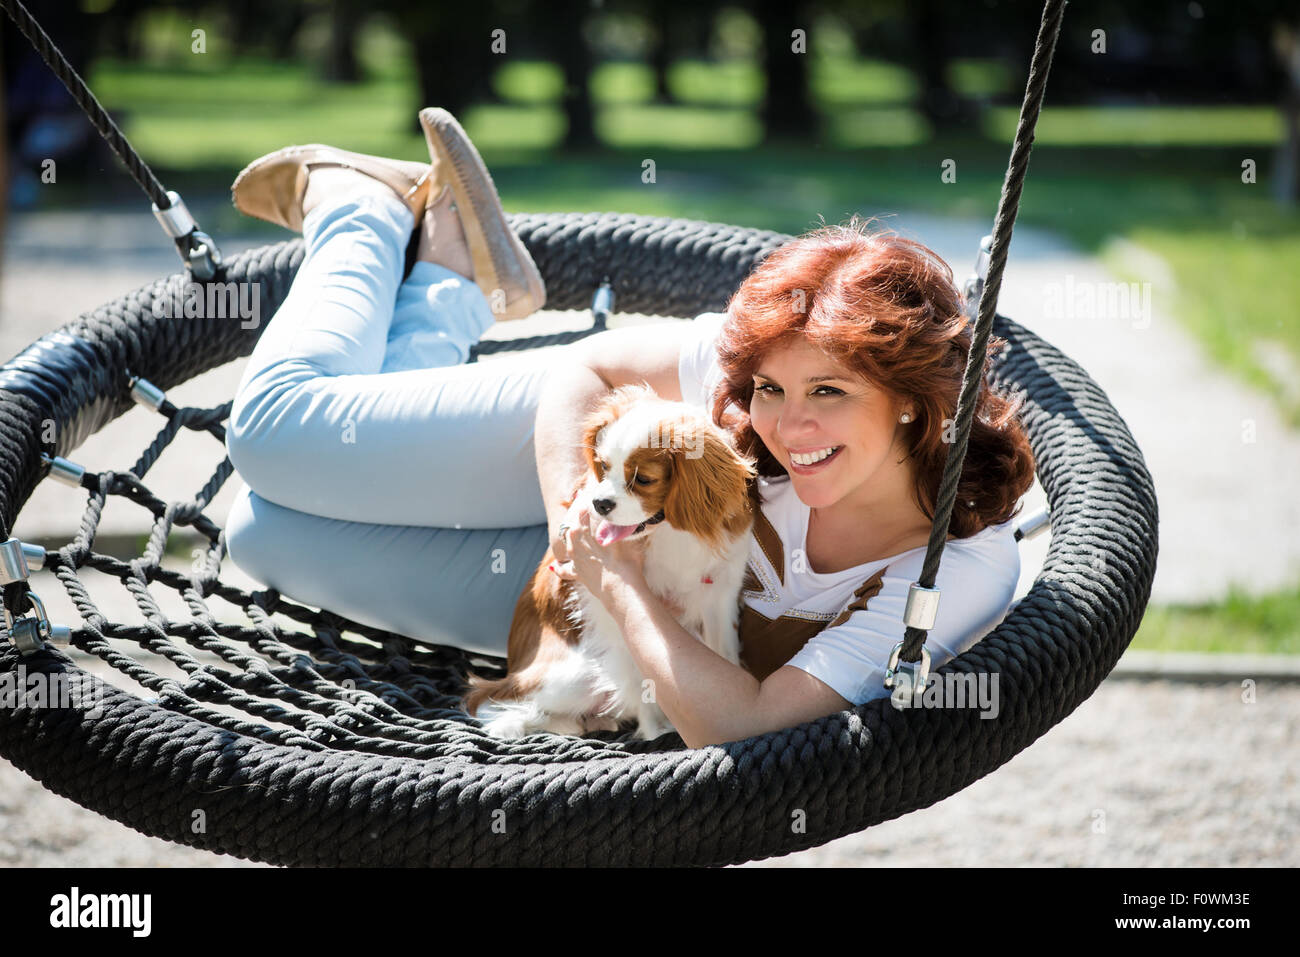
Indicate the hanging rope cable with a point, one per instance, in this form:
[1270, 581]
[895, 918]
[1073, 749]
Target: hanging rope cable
[1008, 206]
[196, 247]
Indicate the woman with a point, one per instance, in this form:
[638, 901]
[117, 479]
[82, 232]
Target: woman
[391, 483]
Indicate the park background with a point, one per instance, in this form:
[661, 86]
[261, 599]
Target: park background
[1167, 157]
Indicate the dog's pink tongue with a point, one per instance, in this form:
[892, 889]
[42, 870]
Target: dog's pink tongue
[607, 533]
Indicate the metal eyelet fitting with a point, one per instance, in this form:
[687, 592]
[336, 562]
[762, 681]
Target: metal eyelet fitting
[146, 393]
[29, 635]
[922, 607]
[905, 678]
[175, 220]
[602, 304]
[13, 562]
[204, 257]
[63, 470]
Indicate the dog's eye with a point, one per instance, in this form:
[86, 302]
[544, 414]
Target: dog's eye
[643, 480]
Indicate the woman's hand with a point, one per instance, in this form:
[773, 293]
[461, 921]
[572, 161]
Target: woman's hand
[599, 567]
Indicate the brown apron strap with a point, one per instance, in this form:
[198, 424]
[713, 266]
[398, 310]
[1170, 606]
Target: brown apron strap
[766, 535]
[864, 593]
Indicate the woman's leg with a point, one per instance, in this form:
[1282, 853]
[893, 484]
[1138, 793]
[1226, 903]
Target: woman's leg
[443, 585]
[319, 426]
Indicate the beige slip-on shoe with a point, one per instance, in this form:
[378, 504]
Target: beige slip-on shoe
[272, 187]
[503, 269]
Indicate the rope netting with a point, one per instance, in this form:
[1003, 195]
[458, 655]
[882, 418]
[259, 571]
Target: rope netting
[311, 678]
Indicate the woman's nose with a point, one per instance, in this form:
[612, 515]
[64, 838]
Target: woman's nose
[796, 421]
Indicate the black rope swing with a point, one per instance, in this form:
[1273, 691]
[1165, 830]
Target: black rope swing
[334, 743]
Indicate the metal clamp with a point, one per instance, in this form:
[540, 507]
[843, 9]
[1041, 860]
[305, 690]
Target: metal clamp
[13, 562]
[1034, 525]
[35, 555]
[905, 678]
[29, 635]
[202, 257]
[922, 607]
[974, 288]
[602, 304]
[146, 393]
[175, 220]
[63, 470]
[17, 559]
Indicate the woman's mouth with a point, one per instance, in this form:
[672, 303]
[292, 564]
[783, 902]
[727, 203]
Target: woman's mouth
[814, 460]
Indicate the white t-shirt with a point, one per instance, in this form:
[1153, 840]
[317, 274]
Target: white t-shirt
[977, 575]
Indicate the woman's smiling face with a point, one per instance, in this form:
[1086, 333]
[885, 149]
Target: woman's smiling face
[805, 404]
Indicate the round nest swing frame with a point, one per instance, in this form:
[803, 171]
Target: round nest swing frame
[388, 771]
[341, 744]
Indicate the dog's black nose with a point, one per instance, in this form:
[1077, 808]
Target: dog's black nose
[603, 505]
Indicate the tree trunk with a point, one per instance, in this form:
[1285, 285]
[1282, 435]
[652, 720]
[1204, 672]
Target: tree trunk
[933, 48]
[561, 31]
[341, 65]
[1286, 174]
[4, 154]
[666, 22]
[787, 108]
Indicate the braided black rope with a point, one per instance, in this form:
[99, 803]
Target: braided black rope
[304, 739]
[973, 378]
[88, 102]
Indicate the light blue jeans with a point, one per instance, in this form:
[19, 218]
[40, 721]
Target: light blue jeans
[384, 479]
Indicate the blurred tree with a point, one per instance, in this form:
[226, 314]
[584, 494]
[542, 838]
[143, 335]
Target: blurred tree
[5, 28]
[346, 18]
[258, 25]
[451, 44]
[662, 18]
[1286, 175]
[787, 109]
[934, 28]
[681, 30]
[560, 30]
[280, 23]
[118, 34]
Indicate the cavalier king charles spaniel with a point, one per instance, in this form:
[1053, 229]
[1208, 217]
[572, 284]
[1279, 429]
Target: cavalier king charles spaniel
[656, 470]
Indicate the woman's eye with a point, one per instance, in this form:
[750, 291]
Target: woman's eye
[768, 389]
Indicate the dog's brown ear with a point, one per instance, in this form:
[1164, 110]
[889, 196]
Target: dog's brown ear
[709, 493]
[591, 430]
[611, 407]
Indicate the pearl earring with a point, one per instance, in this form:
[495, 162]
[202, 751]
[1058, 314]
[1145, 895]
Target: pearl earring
[905, 417]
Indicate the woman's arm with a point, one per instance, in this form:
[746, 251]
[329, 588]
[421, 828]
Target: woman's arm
[708, 699]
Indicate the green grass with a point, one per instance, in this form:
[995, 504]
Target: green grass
[1239, 624]
[1135, 126]
[1237, 287]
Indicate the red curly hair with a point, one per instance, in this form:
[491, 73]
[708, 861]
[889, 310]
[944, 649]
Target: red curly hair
[887, 308]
